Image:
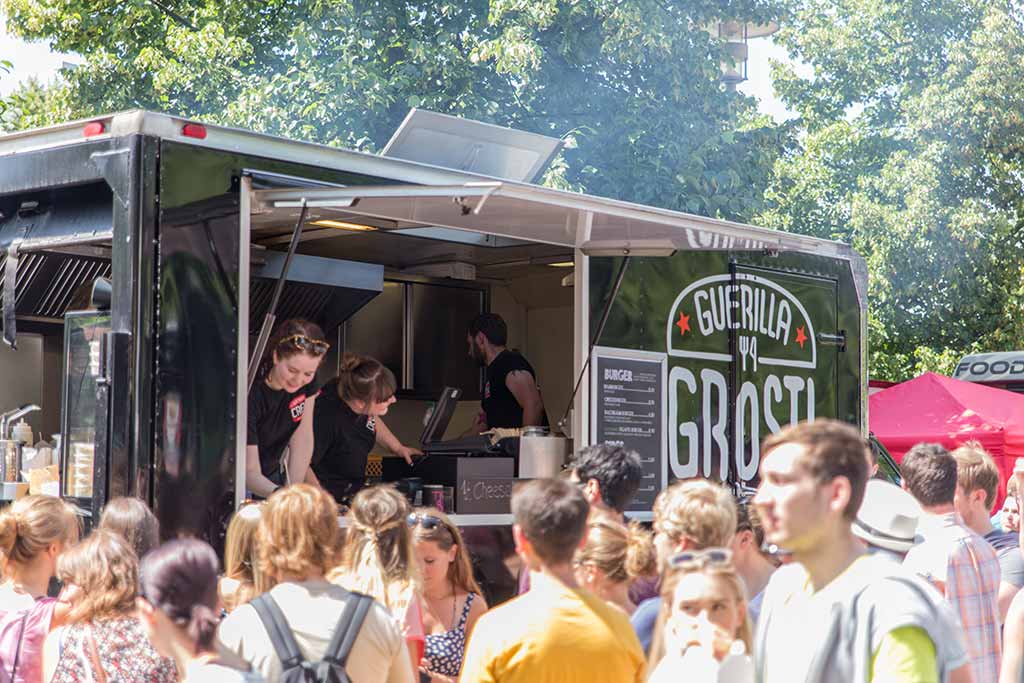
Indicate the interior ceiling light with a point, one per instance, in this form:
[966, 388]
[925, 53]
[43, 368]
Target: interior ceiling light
[343, 225]
[562, 264]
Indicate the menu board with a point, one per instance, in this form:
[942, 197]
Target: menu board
[628, 400]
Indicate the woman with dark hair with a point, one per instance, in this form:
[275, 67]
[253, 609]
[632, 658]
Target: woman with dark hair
[281, 404]
[133, 521]
[348, 422]
[178, 611]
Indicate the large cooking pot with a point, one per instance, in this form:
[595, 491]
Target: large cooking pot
[541, 456]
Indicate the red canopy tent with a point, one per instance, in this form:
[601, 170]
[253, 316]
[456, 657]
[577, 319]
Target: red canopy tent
[951, 412]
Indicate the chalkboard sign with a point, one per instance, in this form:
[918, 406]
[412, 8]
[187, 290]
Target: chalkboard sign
[628, 402]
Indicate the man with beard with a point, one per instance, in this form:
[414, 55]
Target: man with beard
[511, 394]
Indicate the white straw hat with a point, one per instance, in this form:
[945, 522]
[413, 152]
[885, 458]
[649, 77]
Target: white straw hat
[888, 517]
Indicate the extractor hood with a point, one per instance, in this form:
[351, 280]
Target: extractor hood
[322, 290]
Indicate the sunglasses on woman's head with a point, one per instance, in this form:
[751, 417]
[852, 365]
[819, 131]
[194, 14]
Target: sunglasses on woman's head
[428, 522]
[304, 343]
[710, 556]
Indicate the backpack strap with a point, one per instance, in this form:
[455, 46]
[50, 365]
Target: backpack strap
[351, 621]
[280, 633]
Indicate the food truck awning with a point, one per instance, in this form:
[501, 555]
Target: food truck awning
[597, 226]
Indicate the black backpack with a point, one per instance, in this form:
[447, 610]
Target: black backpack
[330, 669]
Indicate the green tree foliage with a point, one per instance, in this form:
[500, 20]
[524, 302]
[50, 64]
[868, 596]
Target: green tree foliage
[634, 83]
[912, 149]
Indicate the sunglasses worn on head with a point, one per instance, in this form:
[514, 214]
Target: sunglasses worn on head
[307, 344]
[428, 522]
[710, 556]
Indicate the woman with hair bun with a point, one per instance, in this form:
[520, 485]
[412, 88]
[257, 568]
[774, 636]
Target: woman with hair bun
[612, 557]
[178, 611]
[34, 532]
[348, 422]
[281, 404]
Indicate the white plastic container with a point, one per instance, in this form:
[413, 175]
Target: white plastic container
[22, 432]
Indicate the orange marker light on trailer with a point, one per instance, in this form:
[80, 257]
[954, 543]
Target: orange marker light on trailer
[194, 130]
[93, 129]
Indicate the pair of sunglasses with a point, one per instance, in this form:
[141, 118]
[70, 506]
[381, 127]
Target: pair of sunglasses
[428, 522]
[710, 556]
[304, 343]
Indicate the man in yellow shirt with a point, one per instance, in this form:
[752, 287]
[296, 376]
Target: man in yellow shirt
[835, 613]
[557, 632]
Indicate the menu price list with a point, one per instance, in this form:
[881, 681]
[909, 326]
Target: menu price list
[629, 409]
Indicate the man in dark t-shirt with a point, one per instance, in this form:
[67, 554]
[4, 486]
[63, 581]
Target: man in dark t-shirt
[511, 393]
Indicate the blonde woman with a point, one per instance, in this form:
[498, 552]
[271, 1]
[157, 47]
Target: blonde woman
[34, 531]
[242, 579]
[378, 560]
[451, 595]
[703, 632]
[298, 539]
[103, 639]
[612, 557]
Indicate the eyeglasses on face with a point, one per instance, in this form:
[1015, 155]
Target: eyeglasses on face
[307, 344]
[428, 522]
[710, 556]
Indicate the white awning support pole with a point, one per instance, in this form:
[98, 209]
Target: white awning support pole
[581, 332]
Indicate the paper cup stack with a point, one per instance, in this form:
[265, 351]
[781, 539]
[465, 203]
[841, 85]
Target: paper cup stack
[80, 470]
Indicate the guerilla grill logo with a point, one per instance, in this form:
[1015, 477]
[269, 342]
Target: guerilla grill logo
[776, 351]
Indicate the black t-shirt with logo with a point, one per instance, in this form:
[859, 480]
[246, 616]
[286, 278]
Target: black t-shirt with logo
[499, 403]
[344, 439]
[274, 415]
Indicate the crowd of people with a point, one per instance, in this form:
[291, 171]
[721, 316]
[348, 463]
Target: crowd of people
[824, 574]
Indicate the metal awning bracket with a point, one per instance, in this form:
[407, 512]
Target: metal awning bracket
[114, 167]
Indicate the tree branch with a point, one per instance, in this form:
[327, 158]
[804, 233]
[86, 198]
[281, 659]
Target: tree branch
[173, 15]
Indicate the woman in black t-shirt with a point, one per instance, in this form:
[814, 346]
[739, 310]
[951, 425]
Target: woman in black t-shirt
[281, 404]
[347, 423]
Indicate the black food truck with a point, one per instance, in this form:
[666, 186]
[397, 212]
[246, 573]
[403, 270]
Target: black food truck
[142, 253]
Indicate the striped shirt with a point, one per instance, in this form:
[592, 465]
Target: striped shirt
[965, 568]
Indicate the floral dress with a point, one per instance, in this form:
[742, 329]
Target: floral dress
[121, 649]
[444, 651]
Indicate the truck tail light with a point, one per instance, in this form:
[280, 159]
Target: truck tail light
[93, 129]
[194, 130]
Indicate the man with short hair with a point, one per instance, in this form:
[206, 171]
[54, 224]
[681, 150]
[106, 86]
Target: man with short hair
[511, 393]
[977, 480]
[752, 564]
[609, 476]
[835, 613]
[955, 559]
[689, 515]
[557, 631]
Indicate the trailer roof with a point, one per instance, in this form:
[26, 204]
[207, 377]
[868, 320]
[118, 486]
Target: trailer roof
[518, 210]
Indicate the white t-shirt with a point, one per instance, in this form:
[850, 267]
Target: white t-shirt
[312, 609]
[218, 673]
